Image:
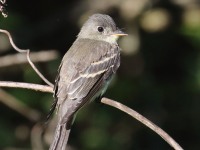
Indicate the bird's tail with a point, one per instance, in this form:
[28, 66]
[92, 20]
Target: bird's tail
[60, 137]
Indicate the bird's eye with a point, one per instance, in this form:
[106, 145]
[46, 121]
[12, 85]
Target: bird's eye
[100, 29]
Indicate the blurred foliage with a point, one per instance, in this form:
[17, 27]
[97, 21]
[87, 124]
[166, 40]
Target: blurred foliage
[159, 74]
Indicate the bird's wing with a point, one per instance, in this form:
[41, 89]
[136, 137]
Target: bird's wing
[81, 78]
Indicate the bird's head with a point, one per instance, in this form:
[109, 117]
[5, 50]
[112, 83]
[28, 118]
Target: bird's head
[101, 27]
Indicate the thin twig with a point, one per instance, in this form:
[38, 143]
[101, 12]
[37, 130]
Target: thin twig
[27, 51]
[12, 43]
[144, 121]
[37, 71]
[36, 87]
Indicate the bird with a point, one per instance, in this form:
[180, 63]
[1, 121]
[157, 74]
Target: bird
[85, 72]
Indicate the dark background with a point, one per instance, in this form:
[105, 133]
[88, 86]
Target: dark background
[159, 74]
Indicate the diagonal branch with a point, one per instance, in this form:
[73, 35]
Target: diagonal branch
[18, 106]
[143, 120]
[37, 71]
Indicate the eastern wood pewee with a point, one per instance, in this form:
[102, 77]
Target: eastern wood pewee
[85, 72]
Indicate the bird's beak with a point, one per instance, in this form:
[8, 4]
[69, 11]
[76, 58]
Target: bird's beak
[119, 33]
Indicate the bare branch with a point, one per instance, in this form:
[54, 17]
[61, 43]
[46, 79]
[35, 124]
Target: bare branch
[19, 58]
[36, 87]
[37, 71]
[144, 121]
[27, 51]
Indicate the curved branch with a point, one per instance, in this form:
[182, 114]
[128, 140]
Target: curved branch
[27, 51]
[12, 43]
[143, 120]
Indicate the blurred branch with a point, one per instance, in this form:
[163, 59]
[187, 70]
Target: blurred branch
[27, 51]
[36, 137]
[144, 121]
[18, 106]
[106, 101]
[19, 58]
[3, 1]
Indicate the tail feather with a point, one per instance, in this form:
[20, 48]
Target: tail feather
[60, 138]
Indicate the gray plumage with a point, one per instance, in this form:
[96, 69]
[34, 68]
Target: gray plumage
[84, 72]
